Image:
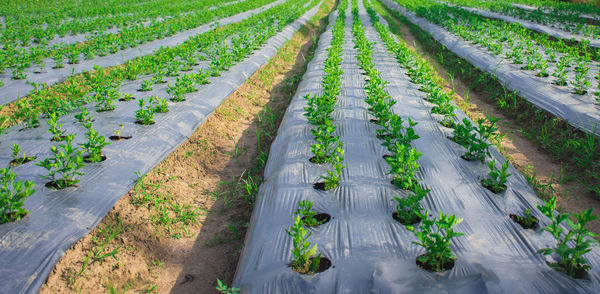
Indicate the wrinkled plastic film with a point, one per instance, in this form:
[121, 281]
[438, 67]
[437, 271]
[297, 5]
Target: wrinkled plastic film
[371, 252]
[578, 110]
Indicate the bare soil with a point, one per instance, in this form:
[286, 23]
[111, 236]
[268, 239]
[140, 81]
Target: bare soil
[204, 173]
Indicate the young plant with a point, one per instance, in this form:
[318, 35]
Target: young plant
[434, 235]
[496, 182]
[224, 289]
[332, 179]
[307, 213]
[581, 83]
[13, 195]
[305, 260]
[408, 209]
[528, 221]
[160, 105]
[58, 134]
[145, 115]
[19, 159]
[404, 165]
[146, 86]
[572, 245]
[93, 146]
[64, 165]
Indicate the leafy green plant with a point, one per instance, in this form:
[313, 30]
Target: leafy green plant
[332, 179]
[528, 221]
[93, 146]
[58, 134]
[572, 245]
[64, 165]
[305, 258]
[403, 166]
[146, 86]
[145, 115]
[224, 289]
[408, 209]
[435, 235]
[160, 105]
[307, 213]
[19, 159]
[496, 181]
[13, 195]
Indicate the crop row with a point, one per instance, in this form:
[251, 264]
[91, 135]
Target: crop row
[166, 62]
[571, 245]
[17, 59]
[568, 65]
[326, 150]
[25, 29]
[556, 17]
[66, 159]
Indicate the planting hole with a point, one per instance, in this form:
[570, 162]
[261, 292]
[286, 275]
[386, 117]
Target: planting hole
[324, 264]
[324, 186]
[406, 221]
[120, 138]
[321, 218]
[526, 223]
[87, 159]
[19, 161]
[446, 266]
[139, 122]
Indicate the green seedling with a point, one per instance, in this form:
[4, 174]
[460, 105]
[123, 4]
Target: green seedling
[93, 146]
[224, 289]
[146, 86]
[19, 159]
[496, 181]
[13, 195]
[160, 104]
[332, 179]
[528, 221]
[572, 245]
[64, 165]
[408, 209]
[305, 258]
[145, 115]
[435, 235]
[307, 213]
[403, 166]
[58, 134]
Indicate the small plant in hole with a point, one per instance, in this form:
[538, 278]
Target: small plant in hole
[408, 209]
[93, 146]
[58, 134]
[145, 115]
[332, 179]
[13, 195]
[305, 260]
[434, 235]
[404, 165]
[527, 222]
[64, 165]
[146, 86]
[572, 245]
[19, 159]
[496, 180]
[160, 104]
[308, 214]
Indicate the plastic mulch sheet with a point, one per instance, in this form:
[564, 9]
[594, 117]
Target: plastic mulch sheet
[29, 248]
[370, 252]
[579, 111]
[13, 89]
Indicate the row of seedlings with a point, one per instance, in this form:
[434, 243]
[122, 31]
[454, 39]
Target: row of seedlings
[101, 86]
[569, 65]
[67, 159]
[18, 59]
[326, 150]
[571, 245]
[433, 234]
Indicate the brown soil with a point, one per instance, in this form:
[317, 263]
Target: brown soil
[205, 174]
[522, 153]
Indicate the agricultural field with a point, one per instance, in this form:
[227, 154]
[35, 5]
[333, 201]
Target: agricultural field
[299, 146]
